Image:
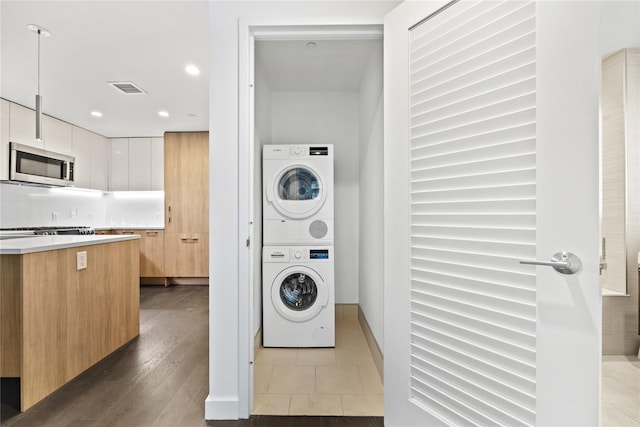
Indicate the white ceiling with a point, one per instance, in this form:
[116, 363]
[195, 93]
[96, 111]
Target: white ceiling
[333, 65]
[93, 42]
[149, 43]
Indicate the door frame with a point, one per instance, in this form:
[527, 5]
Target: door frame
[249, 30]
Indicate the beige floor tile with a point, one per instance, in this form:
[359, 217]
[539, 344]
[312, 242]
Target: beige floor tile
[277, 356]
[350, 312]
[293, 379]
[316, 357]
[271, 404]
[261, 378]
[363, 405]
[355, 356]
[612, 417]
[370, 380]
[338, 380]
[623, 395]
[315, 404]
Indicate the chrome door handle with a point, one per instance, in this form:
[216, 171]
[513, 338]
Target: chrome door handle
[562, 262]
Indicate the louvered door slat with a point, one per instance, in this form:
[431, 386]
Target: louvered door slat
[472, 164]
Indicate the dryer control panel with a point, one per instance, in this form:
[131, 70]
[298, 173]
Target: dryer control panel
[292, 254]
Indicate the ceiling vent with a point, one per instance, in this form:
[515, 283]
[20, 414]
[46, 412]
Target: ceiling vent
[128, 88]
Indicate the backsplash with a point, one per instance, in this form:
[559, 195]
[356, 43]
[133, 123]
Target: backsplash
[28, 206]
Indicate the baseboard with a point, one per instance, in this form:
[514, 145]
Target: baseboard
[378, 359]
[220, 409]
[162, 281]
[198, 281]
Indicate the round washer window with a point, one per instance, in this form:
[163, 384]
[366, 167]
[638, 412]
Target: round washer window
[299, 184]
[298, 291]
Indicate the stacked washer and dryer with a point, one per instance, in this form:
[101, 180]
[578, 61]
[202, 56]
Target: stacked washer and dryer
[298, 293]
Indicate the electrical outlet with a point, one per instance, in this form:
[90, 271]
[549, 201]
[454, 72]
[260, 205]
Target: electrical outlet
[81, 260]
[54, 216]
[74, 212]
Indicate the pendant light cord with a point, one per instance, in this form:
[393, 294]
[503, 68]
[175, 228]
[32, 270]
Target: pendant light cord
[38, 62]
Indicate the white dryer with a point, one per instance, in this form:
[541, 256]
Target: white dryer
[297, 206]
[298, 296]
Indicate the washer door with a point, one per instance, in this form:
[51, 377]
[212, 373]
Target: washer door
[299, 294]
[297, 192]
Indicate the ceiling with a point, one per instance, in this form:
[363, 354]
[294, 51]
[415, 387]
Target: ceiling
[148, 43]
[94, 42]
[330, 65]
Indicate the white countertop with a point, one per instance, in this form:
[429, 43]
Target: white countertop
[125, 227]
[27, 245]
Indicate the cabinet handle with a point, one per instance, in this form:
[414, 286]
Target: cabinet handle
[194, 239]
[152, 233]
[128, 232]
[169, 214]
[189, 239]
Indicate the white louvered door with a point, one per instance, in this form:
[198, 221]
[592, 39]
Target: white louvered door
[491, 117]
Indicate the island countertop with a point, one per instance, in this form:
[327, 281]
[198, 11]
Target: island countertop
[27, 245]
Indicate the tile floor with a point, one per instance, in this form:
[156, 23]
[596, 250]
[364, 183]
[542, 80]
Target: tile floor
[331, 381]
[620, 403]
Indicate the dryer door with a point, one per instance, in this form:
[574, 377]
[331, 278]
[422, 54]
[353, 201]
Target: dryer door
[298, 293]
[297, 192]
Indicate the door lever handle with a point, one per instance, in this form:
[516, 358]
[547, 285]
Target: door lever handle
[562, 262]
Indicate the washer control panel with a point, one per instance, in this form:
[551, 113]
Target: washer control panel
[292, 254]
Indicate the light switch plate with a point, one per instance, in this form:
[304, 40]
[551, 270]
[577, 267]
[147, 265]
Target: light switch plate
[81, 260]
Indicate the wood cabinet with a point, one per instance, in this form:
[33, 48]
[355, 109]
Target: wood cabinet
[186, 186]
[187, 254]
[152, 248]
[57, 321]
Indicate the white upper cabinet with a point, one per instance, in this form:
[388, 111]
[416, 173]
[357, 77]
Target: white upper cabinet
[157, 164]
[137, 164]
[91, 153]
[5, 108]
[119, 165]
[57, 135]
[22, 129]
[99, 162]
[22, 126]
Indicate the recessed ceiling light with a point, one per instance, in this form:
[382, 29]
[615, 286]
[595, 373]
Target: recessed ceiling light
[163, 113]
[96, 114]
[192, 69]
[311, 45]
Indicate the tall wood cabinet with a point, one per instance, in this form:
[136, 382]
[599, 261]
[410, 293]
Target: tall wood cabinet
[186, 186]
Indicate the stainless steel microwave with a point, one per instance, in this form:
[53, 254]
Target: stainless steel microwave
[31, 164]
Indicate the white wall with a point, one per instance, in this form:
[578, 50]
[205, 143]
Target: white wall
[262, 137]
[371, 183]
[228, 365]
[329, 118]
[619, 25]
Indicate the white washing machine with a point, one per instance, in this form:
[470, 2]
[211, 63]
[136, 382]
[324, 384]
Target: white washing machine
[297, 201]
[298, 296]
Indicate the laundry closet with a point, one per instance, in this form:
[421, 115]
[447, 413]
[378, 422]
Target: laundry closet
[329, 92]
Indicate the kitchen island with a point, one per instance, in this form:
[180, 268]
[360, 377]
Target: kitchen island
[66, 302]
